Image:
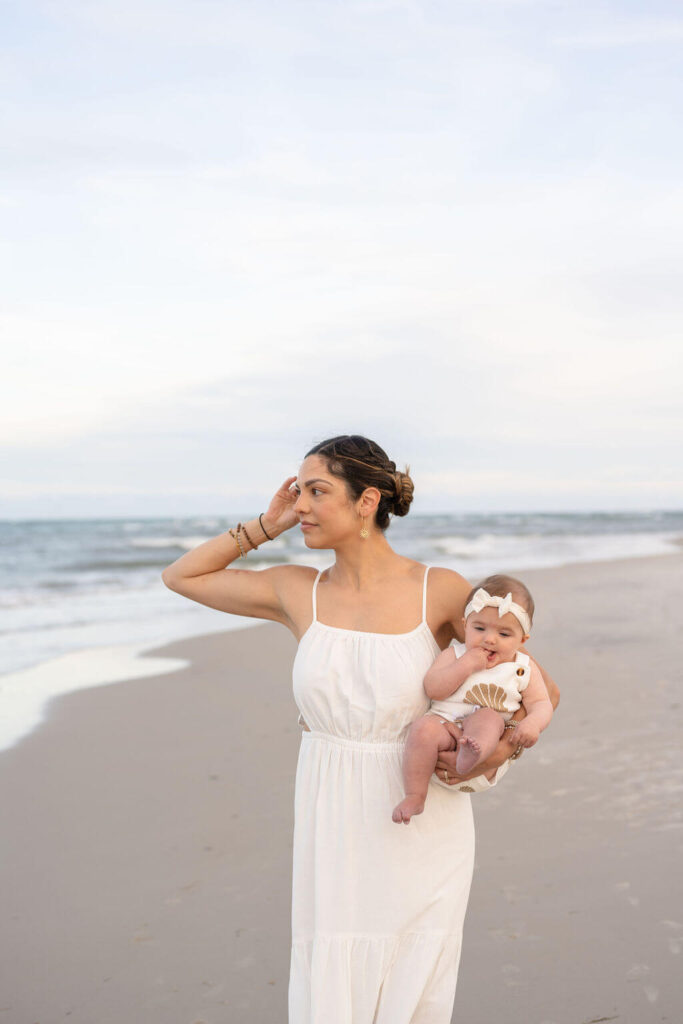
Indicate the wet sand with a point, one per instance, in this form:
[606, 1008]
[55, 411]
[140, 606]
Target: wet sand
[145, 853]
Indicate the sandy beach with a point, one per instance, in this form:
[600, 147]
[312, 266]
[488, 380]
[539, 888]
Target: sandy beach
[147, 831]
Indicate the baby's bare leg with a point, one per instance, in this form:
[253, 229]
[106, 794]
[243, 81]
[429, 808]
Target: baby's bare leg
[426, 738]
[480, 734]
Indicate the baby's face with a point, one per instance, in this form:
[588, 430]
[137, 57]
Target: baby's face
[501, 638]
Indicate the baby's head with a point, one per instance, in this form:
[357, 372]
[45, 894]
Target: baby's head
[498, 614]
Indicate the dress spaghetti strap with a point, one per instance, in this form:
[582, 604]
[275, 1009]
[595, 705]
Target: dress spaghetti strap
[314, 597]
[424, 595]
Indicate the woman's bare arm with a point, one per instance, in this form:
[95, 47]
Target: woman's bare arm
[203, 574]
[446, 605]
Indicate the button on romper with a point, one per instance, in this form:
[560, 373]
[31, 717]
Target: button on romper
[378, 908]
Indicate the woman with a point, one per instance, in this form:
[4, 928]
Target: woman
[377, 909]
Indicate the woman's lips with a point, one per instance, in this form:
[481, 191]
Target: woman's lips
[306, 526]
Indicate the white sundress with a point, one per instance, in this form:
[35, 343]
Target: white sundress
[378, 908]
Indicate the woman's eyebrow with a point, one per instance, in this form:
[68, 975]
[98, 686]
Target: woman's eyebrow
[316, 480]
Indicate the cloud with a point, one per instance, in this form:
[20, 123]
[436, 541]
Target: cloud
[473, 426]
[618, 31]
[230, 228]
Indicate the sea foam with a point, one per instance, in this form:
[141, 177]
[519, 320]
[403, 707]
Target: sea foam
[25, 695]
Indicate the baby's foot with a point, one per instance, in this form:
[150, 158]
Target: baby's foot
[469, 754]
[404, 811]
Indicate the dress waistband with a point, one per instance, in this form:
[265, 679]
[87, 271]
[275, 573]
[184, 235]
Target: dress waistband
[370, 746]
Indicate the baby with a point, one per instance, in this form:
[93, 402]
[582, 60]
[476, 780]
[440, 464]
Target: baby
[483, 682]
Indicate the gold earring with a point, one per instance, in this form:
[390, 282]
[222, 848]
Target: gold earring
[364, 530]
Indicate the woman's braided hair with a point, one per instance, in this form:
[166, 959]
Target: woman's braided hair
[361, 463]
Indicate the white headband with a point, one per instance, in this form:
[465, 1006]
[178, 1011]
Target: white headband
[482, 599]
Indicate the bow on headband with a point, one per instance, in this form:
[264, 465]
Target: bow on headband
[482, 599]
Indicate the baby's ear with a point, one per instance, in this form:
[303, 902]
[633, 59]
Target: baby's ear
[525, 637]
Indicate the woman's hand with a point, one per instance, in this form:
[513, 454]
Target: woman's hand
[278, 593]
[445, 766]
[280, 514]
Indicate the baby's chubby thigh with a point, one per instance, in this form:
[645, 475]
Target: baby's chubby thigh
[430, 732]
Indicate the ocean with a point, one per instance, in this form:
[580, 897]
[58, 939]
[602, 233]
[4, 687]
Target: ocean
[72, 585]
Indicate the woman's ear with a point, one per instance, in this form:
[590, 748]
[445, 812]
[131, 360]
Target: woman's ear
[368, 502]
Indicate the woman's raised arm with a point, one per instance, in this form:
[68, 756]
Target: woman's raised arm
[203, 575]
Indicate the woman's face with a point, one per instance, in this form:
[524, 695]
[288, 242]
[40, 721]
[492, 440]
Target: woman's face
[327, 514]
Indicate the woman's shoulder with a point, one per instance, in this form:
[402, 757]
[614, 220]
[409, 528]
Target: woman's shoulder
[292, 574]
[444, 585]
[446, 605]
[294, 585]
[448, 583]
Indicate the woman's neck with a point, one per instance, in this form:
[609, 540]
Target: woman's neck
[361, 562]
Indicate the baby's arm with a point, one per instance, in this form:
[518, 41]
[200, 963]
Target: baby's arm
[550, 684]
[449, 671]
[539, 711]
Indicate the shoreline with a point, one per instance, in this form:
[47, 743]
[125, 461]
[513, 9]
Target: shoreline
[146, 848]
[30, 690]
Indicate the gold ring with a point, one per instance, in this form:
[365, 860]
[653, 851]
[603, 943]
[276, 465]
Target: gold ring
[445, 775]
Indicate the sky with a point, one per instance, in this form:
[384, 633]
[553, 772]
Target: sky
[229, 230]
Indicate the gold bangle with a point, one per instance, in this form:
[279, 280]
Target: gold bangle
[251, 543]
[238, 542]
[239, 529]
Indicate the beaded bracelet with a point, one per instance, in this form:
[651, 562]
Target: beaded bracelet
[244, 531]
[236, 538]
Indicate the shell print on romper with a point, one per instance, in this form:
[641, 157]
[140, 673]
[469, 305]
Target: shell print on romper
[486, 695]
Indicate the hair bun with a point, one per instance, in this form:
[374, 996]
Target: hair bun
[361, 463]
[404, 492]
